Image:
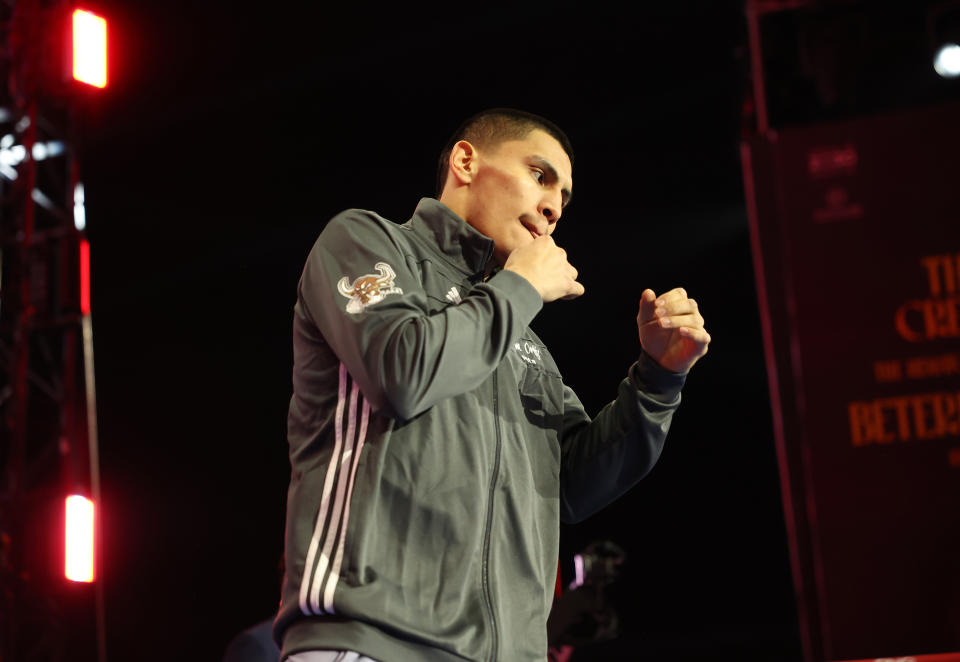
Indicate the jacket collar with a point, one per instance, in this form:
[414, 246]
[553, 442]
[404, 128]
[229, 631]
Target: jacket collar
[457, 241]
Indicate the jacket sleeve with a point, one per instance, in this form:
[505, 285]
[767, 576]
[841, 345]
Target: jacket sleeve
[604, 457]
[404, 357]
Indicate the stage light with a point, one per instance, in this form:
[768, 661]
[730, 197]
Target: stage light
[10, 157]
[47, 150]
[79, 209]
[947, 61]
[13, 156]
[579, 575]
[78, 540]
[89, 48]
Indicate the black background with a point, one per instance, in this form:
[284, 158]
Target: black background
[231, 133]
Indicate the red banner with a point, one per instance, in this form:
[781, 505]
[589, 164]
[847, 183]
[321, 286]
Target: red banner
[856, 237]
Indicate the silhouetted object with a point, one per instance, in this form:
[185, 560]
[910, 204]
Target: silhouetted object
[254, 644]
[581, 616]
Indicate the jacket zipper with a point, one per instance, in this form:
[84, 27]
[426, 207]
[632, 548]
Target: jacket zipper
[486, 534]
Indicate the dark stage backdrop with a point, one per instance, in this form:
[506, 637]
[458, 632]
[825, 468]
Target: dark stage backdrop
[858, 236]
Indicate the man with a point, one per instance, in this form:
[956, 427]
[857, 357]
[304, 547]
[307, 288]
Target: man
[434, 447]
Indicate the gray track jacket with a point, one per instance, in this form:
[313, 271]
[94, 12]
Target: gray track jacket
[434, 448]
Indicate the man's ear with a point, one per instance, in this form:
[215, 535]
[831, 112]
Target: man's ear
[464, 162]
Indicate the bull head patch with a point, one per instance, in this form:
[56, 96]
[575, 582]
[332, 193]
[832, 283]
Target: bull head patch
[369, 288]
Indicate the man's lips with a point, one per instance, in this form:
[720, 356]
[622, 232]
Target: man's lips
[531, 228]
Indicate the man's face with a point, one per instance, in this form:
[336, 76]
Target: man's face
[520, 190]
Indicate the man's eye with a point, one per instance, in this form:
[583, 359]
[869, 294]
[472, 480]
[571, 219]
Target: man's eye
[538, 175]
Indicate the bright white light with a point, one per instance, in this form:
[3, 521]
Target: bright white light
[55, 148]
[579, 574]
[79, 211]
[10, 158]
[947, 61]
[13, 156]
[47, 150]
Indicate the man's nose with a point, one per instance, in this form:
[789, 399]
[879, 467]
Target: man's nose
[552, 209]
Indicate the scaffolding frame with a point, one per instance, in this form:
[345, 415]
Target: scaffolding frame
[49, 448]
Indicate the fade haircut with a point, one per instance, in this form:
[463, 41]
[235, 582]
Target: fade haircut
[491, 127]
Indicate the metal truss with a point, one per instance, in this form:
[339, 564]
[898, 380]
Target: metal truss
[48, 435]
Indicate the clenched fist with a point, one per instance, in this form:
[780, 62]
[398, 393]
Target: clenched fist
[672, 329]
[545, 265]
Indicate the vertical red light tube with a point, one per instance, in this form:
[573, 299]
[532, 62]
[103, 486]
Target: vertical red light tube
[89, 48]
[84, 277]
[78, 539]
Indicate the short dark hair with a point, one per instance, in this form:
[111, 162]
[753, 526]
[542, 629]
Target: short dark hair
[494, 126]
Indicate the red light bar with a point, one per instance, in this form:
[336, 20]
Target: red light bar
[936, 657]
[78, 540]
[84, 277]
[89, 48]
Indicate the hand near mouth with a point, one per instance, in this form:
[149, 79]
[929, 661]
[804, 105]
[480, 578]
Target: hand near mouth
[545, 265]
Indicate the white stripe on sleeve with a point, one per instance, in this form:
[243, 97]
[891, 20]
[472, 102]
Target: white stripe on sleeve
[338, 503]
[335, 570]
[325, 498]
